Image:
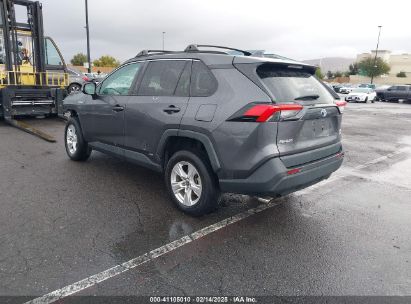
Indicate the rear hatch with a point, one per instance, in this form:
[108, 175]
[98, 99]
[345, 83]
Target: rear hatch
[310, 132]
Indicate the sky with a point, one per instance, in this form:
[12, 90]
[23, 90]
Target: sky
[296, 29]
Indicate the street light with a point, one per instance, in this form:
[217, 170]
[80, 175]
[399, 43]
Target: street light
[164, 33]
[88, 40]
[376, 52]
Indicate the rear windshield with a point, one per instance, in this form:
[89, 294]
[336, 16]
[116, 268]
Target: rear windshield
[290, 85]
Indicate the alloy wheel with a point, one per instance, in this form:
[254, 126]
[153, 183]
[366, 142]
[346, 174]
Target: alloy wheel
[186, 183]
[71, 139]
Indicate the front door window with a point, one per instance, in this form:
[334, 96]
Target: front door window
[119, 83]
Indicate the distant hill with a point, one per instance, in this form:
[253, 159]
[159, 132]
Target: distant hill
[332, 64]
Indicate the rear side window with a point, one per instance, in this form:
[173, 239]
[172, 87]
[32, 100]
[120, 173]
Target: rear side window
[401, 88]
[291, 85]
[161, 78]
[203, 83]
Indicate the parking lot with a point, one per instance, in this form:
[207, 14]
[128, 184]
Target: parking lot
[62, 222]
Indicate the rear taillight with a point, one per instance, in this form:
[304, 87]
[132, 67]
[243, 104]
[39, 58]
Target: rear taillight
[341, 105]
[293, 171]
[85, 78]
[264, 112]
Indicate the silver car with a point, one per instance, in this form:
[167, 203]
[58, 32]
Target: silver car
[76, 80]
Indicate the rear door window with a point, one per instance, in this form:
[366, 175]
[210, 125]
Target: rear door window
[183, 85]
[203, 83]
[288, 85]
[161, 78]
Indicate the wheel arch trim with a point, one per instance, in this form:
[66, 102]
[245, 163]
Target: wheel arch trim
[204, 139]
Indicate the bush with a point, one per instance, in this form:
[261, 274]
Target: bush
[319, 74]
[338, 74]
[79, 59]
[106, 61]
[402, 74]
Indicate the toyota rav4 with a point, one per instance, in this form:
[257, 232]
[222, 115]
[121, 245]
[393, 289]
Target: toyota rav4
[211, 122]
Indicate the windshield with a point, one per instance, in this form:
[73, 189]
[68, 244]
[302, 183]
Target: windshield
[289, 85]
[360, 90]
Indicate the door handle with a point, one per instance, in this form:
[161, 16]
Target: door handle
[172, 109]
[118, 108]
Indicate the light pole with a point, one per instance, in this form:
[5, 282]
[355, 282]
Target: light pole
[88, 39]
[376, 52]
[164, 33]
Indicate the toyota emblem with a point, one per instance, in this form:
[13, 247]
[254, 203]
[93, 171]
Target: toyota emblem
[323, 112]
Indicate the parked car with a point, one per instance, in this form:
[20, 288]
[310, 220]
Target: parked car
[76, 80]
[337, 87]
[196, 118]
[96, 77]
[361, 95]
[346, 88]
[381, 88]
[395, 93]
[367, 85]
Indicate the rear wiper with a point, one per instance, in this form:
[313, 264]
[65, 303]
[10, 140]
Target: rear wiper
[307, 97]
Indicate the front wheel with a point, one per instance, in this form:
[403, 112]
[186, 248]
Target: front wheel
[76, 147]
[74, 87]
[190, 183]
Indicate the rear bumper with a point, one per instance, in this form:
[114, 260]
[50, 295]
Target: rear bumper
[272, 178]
[356, 99]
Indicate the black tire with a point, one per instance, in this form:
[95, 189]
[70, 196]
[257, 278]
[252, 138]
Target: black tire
[82, 150]
[366, 100]
[208, 199]
[74, 87]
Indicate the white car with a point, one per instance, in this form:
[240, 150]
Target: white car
[361, 95]
[346, 89]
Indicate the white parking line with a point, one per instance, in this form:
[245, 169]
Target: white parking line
[149, 256]
[118, 269]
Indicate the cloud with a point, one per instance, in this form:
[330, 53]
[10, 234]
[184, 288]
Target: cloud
[296, 29]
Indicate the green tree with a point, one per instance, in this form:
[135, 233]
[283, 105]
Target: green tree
[353, 69]
[347, 74]
[78, 59]
[319, 74]
[338, 74]
[330, 75]
[373, 69]
[106, 61]
[401, 74]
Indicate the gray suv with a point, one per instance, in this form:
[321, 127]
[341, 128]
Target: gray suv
[212, 122]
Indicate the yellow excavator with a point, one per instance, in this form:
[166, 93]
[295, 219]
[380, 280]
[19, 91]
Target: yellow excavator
[33, 74]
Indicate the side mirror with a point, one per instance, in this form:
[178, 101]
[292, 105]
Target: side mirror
[89, 88]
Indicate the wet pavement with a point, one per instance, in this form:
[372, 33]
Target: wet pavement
[62, 221]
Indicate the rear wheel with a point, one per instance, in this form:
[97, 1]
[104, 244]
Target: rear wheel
[366, 99]
[76, 147]
[191, 183]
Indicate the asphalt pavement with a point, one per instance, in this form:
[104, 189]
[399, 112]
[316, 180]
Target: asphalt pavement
[63, 221]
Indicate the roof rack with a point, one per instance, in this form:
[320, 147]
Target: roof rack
[152, 52]
[194, 48]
